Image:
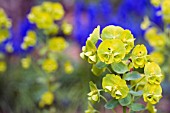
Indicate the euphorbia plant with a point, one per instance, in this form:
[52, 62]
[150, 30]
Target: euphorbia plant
[129, 73]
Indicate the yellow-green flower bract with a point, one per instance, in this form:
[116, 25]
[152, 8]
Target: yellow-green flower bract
[90, 109]
[151, 108]
[152, 93]
[116, 86]
[94, 94]
[89, 52]
[139, 56]
[153, 73]
[116, 32]
[111, 50]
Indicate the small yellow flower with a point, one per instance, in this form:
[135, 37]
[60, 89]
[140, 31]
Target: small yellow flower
[68, 67]
[5, 25]
[156, 3]
[57, 44]
[67, 28]
[58, 11]
[157, 57]
[29, 40]
[49, 65]
[46, 99]
[9, 48]
[3, 66]
[25, 62]
[145, 24]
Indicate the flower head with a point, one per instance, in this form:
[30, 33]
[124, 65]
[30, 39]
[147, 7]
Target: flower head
[139, 56]
[110, 51]
[57, 44]
[46, 99]
[152, 93]
[116, 86]
[49, 65]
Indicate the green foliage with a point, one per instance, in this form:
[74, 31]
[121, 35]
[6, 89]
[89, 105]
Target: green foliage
[111, 104]
[119, 68]
[131, 75]
[137, 107]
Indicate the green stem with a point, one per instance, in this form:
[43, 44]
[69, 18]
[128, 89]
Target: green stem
[106, 102]
[103, 98]
[124, 109]
[137, 82]
[109, 70]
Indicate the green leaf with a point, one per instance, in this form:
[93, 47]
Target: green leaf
[96, 71]
[127, 56]
[131, 76]
[111, 104]
[134, 93]
[125, 101]
[119, 68]
[137, 107]
[101, 65]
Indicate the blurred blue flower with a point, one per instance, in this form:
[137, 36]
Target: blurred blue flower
[17, 34]
[129, 15]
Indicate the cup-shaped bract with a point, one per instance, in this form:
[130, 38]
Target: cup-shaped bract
[153, 73]
[111, 50]
[152, 93]
[116, 32]
[139, 56]
[116, 86]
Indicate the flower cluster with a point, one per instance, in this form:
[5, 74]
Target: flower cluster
[5, 25]
[44, 15]
[122, 61]
[29, 40]
[49, 46]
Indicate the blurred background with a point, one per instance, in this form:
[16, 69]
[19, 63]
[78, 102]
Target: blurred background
[26, 81]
